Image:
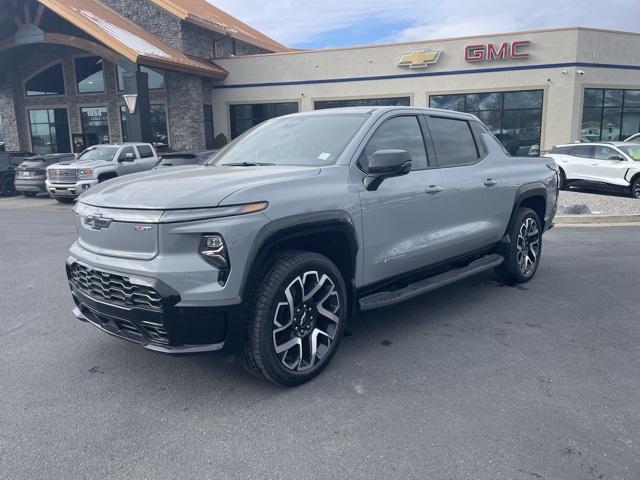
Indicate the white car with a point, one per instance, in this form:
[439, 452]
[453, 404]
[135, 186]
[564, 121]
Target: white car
[614, 164]
[633, 138]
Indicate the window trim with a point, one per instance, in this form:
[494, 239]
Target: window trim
[38, 72]
[479, 157]
[381, 121]
[75, 75]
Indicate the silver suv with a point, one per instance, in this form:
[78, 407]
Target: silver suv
[66, 180]
[270, 247]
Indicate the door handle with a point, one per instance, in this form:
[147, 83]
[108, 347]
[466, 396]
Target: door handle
[433, 189]
[490, 182]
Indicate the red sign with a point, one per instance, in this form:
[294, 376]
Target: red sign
[492, 52]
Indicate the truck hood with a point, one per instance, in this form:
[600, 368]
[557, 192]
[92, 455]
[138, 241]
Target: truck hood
[193, 186]
[80, 164]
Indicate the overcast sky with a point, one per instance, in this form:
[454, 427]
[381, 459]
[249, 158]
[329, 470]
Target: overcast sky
[337, 23]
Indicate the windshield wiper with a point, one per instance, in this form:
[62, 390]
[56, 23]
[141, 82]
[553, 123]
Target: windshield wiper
[247, 164]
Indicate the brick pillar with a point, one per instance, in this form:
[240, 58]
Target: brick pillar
[8, 107]
[186, 115]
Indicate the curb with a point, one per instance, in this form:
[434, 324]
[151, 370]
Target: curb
[595, 219]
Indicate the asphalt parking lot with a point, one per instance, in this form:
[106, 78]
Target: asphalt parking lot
[475, 381]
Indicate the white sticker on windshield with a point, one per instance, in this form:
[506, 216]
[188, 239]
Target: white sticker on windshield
[324, 156]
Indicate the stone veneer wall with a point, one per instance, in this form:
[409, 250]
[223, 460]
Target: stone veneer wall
[186, 115]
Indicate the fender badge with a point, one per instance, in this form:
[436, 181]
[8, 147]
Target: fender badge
[141, 228]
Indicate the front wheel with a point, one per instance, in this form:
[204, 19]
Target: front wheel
[298, 319]
[635, 188]
[522, 255]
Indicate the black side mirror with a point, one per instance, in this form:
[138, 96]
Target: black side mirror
[617, 157]
[386, 164]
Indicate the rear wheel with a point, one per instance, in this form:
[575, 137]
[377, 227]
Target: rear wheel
[65, 199]
[635, 187]
[298, 319]
[522, 255]
[7, 188]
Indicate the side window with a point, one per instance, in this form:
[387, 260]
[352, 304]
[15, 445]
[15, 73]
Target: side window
[605, 153]
[453, 141]
[124, 151]
[145, 151]
[582, 151]
[398, 133]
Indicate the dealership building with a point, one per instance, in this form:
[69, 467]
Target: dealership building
[180, 73]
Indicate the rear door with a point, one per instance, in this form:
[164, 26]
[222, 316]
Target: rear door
[474, 189]
[403, 219]
[577, 163]
[146, 158]
[609, 165]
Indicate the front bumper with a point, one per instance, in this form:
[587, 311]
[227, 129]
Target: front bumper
[69, 189]
[164, 326]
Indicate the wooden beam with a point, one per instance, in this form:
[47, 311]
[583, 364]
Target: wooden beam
[38, 17]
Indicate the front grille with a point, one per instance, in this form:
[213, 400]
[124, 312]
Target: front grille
[113, 288]
[63, 175]
[126, 328]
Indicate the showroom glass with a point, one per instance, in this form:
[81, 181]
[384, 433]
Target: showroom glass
[95, 125]
[631, 150]
[398, 133]
[159, 128]
[609, 114]
[308, 140]
[47, 82]
[89, 74]
[363, 102]
[515, 118]
[49, 131]
[155, 79]
[99, 153]
[245, 116]
[453, 142]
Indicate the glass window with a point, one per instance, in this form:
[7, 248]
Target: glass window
[127, 153]
[123, 123]
[243, 117]
[309, 140]
[605, 153]
[89, 74]
[208, 126]
[610, 114]
[398, 133]
[159, 131]
[632, 150]
[515, 118]
[95, 125]
[363, 102]
[47, 82]
[453, 141]
[49, 131]
[583, 151]
[155, 78]
[2, 147]
[99, 153]
[145, 151]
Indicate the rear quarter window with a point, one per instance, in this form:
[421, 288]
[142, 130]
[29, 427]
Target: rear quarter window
[453, 141]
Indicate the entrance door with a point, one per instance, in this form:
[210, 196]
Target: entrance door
[95, 125]
[49, 131]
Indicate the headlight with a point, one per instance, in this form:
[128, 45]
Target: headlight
[214, 251]
[85, 173]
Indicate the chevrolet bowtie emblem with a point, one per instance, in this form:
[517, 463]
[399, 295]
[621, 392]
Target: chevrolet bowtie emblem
[97, 222]
[418, 58]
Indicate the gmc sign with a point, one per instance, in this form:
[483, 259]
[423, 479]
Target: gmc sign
[491, 52]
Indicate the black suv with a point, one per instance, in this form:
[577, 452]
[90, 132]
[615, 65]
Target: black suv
[9, 161]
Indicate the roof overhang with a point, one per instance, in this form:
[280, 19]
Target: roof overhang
[128, 39]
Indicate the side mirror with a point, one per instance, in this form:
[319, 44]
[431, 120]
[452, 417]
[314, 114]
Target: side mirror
[386, 164]
[619, 158]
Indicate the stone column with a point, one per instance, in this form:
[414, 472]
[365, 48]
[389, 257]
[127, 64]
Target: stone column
[8, 107]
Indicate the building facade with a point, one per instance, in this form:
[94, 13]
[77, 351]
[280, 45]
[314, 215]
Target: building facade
[197, 73]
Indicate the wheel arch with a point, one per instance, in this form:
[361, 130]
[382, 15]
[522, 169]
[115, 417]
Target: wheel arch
[533, 197]
[102, 176]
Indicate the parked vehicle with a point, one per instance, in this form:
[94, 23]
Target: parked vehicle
[298, 224]
[66, 180]
[31, 173]
[180, 159]
[633, 138]
[9, 161]
[603, 164]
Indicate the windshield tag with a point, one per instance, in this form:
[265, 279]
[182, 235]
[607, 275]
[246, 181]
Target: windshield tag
[324, 156]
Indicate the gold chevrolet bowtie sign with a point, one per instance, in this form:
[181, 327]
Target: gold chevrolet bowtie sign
[418, 58]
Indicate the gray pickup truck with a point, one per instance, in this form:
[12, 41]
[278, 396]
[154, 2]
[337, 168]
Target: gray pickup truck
[303, 221]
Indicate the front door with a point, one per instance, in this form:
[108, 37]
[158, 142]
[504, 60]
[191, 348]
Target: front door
[608, 166]
[402, 223]
[95, 125]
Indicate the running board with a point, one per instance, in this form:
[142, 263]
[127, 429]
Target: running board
[383, 299]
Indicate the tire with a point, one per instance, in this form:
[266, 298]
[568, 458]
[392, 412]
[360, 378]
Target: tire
[66, 200]
[635, 187]
[29, 194]
[562, 180]
[525, 232]
[7, 188]
[281, 351]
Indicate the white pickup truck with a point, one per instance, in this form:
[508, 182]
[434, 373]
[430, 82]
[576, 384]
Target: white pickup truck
[66, 180]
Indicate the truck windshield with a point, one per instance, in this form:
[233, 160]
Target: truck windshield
[98, 153]
[308, 140]
[632, 151]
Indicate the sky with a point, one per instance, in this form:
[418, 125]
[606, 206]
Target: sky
[340, 23]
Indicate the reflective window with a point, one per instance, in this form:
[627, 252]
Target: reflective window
[155, 78]
[514, 117]
[89, 74]
[159, 129]
[95, 125]
[47, 82]
[49, 131]
[127, 153]
[610, 114]
[208, 126]
[583, 151]
[145, 151]
[2, 147]
[399, 133]
[363, 102]
[605, 153]
[453, 141]
[243, 117]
